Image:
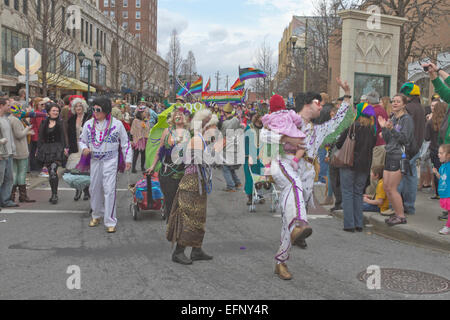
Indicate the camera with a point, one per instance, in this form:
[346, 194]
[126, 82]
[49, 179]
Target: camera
[425, 69]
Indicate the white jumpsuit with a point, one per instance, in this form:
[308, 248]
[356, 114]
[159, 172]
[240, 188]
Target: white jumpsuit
[104, 165]
[297, 185]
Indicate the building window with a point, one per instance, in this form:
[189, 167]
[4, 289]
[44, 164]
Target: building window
[98, 34]
[113, 3]
[125, 3]
[106, 12]
[86, 27]
[52, 14]
[6, 2]
[125, 14]
[84, 70]
[82, 30]
[12, 42]
[101, 40]
[138, 3]
[125, 25]
[112, 14]
[101, 75]
[138, 26]
[124, 80]
[106, 3]
[68, 63]
[104, 41]
[38, 9]
[138, 14]
[16, 5]
[90, 35]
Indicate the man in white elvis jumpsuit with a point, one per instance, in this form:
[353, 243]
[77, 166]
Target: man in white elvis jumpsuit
[103, 137]
[297, 185]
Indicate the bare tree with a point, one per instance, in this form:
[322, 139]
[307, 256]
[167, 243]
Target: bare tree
[142, 65]
[423, 21]
[116, 55]
[174, 59]
[45, 21]
[264, 62]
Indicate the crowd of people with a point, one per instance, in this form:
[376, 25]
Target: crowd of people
[366, 153]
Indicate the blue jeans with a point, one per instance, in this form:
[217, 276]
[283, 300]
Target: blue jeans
[230, 176]
[352, 187]
[322, 154]
[370, 207]
[6, 180]
[330, 187]
[408, 187]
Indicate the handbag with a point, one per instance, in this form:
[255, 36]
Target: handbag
[344, 157]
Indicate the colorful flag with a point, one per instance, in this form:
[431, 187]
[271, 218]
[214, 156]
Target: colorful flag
[197, 86]
[238, 85]
[184, 88]
[250, 73]
[223, 97]
[208, 85]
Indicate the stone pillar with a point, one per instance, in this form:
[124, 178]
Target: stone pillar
[369, 47]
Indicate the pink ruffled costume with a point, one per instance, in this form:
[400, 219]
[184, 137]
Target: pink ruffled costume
[285, 122]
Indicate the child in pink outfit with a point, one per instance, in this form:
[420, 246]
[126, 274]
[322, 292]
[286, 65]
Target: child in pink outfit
[287, 123]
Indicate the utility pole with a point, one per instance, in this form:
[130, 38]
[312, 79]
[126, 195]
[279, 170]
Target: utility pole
[217, 80]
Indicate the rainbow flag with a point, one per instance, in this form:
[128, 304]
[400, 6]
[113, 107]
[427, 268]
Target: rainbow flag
[184, 88]
[223, 97]
[250, 73]
[208, 85]
[197, 86]
[238, 85]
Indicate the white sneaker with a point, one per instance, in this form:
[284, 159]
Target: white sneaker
[444, 230]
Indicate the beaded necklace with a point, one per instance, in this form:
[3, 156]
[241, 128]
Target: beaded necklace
[103, 134]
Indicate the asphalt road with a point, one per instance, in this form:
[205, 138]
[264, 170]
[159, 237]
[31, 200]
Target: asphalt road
[37, 248]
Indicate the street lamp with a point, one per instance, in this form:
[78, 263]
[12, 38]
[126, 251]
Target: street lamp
[97, 58]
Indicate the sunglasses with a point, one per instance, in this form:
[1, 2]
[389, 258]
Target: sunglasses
[98, 110]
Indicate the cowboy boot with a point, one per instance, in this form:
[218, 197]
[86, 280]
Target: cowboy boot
[87, 195]
[178, 256]
[78, 194]
[282, 271]
[198, 254]
[13, 193]
[23, 197]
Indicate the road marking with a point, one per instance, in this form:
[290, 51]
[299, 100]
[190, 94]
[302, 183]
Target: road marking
[70, 189]
[311, 217]
[10, 211]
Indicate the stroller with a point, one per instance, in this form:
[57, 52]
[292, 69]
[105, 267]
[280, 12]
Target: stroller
[143, 200]
[261, 183]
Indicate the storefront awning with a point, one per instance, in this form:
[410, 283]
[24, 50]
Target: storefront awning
[67, 83]
[8, 82]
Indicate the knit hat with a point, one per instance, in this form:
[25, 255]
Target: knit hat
[277, 103]
[228, 108]
[410, 89]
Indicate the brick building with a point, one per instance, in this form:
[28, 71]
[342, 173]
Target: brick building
[138, 17]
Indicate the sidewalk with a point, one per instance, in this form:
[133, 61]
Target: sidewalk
[422, 228]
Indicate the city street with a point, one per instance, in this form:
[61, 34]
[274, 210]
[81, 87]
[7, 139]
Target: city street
[38, 242]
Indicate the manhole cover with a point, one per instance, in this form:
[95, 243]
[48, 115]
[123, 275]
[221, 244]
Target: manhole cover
[409, 281]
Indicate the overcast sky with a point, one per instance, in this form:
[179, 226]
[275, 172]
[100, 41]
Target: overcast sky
[224, 34]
